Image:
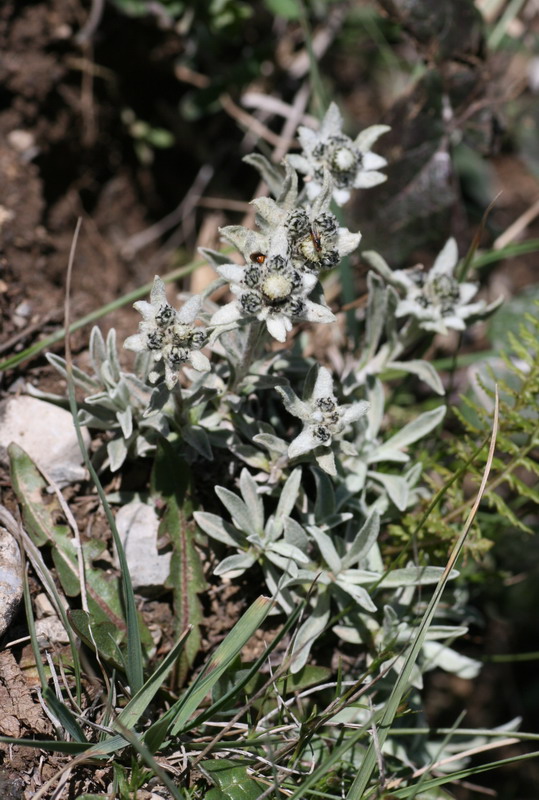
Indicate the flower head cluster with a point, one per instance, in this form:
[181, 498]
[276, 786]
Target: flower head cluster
[271, 289]
[170, 336]
[323, 418]
[436, 298]
[350, 163]
[316, 242]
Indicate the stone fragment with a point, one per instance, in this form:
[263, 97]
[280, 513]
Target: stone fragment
[10, 578]
[50, 631]
[138, 527]
[47, 433]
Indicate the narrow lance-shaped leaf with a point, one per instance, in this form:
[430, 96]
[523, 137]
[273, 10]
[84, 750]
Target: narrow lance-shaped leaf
[186, 577]
[391, 449]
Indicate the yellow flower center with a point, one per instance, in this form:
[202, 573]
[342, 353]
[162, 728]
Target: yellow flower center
[276, 287]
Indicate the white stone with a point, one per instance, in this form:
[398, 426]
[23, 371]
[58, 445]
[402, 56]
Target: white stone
[21, 140]
[50, 630]
[10, 578]
[47, 433]
[43, 606]
[138, 525]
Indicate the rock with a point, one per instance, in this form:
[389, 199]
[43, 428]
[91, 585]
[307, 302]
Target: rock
[138, 526]
[50, 631]
[10, 578]
[47, 433]
[43, 606]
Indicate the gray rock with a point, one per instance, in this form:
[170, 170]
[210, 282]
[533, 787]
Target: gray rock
[138, 526]
[10, 578]
[47, 433]
[50, 631]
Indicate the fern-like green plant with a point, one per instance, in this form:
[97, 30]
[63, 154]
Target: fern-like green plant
[512, 491]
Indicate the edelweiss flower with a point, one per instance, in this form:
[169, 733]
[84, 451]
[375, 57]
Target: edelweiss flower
[351, 163]
[435, 298]
[322, 417]
[315, 239]
[169, 335]
[271, 290]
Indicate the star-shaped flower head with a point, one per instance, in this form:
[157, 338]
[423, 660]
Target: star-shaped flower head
[271, 290]
[316, 241]
[170, 336]
[436, 298]
[324, 420]
[351, 163]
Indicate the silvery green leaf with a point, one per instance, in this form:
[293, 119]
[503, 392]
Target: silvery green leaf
[289, 193]
[198, 439]
[310, 578]
[237, 510]
[363, 541]
[373, 559]
[347, 448]
[215, 258]
[252, 382]
[379, 264]
[272, 444]
[117, 453]
[288, 551]
[392, 329]
[80, 378]
[287, 565]
[326, 547]
[375, 315]
[112, 355]
[217, 528]
[98, 352]
[375, 413]
[423, 369]
[295, 534]
[251, 456]
[414, 576]
[100, 423]
[253, 501]
[350, 635]
[445, 632]
[397, 664]
[222, 328]
[289, 495]
[355, 481]
[358, 593]
[102, 400]
[158, 399]
[310, 630]
[120, 395]
[419, 427]
[270, 173]
[143, 446]
[293, 404]
[326, 462]
[275, 581]
[125, 418]
[325, 497]
[358, 577]
[335, 520]
[438, 655]
[396, 486]
[236, 564]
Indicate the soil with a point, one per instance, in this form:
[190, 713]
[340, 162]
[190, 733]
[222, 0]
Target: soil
[66, 152]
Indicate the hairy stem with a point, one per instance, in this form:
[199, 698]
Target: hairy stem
[253, 342]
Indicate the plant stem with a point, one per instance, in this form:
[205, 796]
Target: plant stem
[255, 337]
